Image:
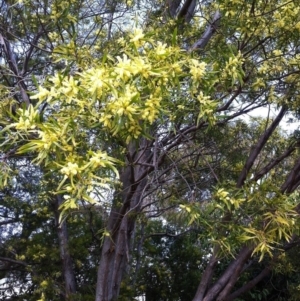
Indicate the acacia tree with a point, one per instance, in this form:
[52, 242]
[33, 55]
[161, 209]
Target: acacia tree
[118, 107]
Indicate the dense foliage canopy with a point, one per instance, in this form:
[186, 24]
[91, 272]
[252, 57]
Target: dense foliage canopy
[130, 168]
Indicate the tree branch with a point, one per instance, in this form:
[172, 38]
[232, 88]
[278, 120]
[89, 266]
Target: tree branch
[210, 30]
[4, 43]
[265, 272]
[13, 261]
[274, 162]
[187, 10]
[292, 178]
[259, 146]
[206, 277]
[237, 264]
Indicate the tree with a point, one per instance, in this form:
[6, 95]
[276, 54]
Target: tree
[121, 114]
[223, 158]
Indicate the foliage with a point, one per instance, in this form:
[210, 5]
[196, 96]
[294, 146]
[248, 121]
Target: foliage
[117, 125]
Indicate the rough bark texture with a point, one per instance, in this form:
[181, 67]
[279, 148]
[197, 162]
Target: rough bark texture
[292, 179]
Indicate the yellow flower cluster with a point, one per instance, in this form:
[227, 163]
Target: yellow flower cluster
[48, 138]
[70, 169]
[95, 81]
[58, 8]
[124, 104]
[197, 69]
[99, 159]
[69, 89]
[124, 92]
[233, 67]
[207, 108]
[117, 96]
[127, 67]
[137, 37]
[151, 110]
[27, 119]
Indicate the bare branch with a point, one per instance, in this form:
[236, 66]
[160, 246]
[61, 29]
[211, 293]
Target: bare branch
[263, 171]
[4, 43]
[210, 30]
[292, 178]
[259, 146]
[187, 10]
[13, 261]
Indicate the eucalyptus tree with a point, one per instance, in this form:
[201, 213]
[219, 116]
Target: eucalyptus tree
[119, 107]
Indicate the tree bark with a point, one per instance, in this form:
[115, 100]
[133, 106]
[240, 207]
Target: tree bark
[292, 179]
[263, 171]
[172, 7]
[187, 10]
[206, 277]
[259, 146]
[207, 35]
[234, 276]
[121, 224]
[10, 57]
[265, 272]
[68, 272]
[236, 266]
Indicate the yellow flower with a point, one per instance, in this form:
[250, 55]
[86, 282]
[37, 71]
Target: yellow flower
[53, 35]
[233, 67]
[48, 138]
[44, 283]
[99, 159]
[161, 49]
[41, 95]
[70, 88]
[95, 78]
[277, 52]
[139, 66]
[56, 79]
[70, 169]
[27, 119]
[137, 36]
[197, 69]
[106, 120]
[203, 99]
[123, 68]
[259, 83]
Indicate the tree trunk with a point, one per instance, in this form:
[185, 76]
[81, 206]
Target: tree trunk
[68, 272]
[121, 224]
